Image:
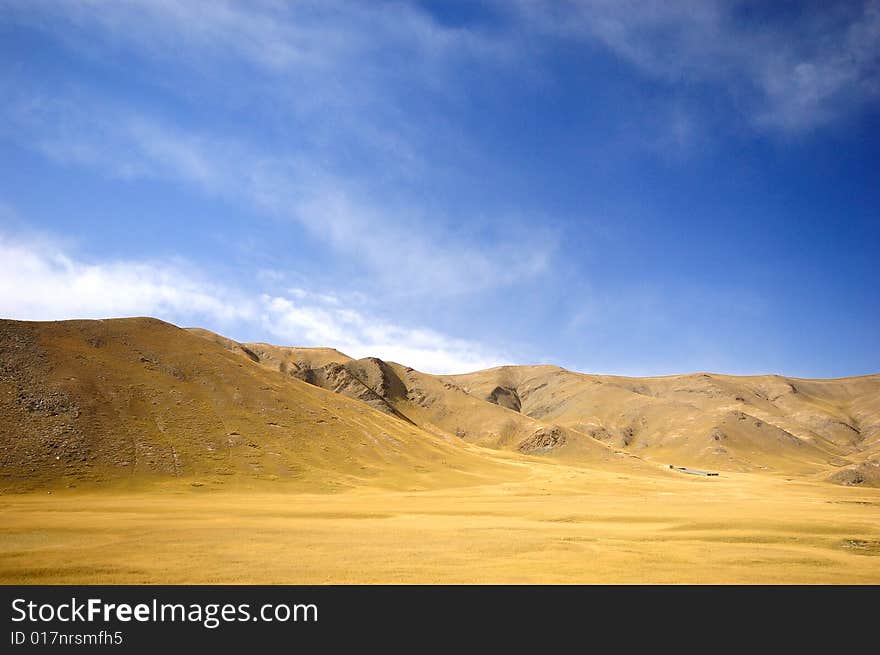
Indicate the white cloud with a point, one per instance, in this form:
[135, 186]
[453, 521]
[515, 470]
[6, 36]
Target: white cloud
[347, 67]
[341, 67]
[314, 320]
[336, 76]
[39, 280]
[410, 250]
[278, 36]
[790, 76]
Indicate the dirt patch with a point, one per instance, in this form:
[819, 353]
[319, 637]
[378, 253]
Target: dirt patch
[862, 546]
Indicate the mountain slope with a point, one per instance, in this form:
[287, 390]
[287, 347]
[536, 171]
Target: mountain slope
[134, 400]
[437, 405]
[139, 399]
[806, 427]
[727, 422]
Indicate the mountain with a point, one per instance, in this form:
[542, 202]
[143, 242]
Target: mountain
[137, 400]
[824, 428]
[719, 421]
[436, 404]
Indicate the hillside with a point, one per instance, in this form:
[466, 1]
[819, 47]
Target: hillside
[134, 400]
[761, 423]
[137, 400]
[725, 422]
[436, 404]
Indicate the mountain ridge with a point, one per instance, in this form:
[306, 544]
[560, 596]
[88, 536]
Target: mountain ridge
[87, 402]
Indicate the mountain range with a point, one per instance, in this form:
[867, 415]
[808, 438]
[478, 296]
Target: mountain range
[138, 400]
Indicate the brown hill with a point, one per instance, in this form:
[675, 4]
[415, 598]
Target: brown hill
[139, 399]
[793, 426]
[142, 400]
[719, 421]
[436, 404]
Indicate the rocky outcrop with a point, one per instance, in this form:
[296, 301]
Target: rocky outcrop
[505, 397]
[542, 441]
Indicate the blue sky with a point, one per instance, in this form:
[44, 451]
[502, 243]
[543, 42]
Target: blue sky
[636, 188]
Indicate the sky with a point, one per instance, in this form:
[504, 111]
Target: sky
[632, 188]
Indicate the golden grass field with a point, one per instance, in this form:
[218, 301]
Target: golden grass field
[561, 524]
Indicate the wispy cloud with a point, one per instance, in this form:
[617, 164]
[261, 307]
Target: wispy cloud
[41, 280]
[338, 74]
[354, 68]
[280, 36]
[791, 73]
[318, 320]
[409, 248]
[330, 68]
